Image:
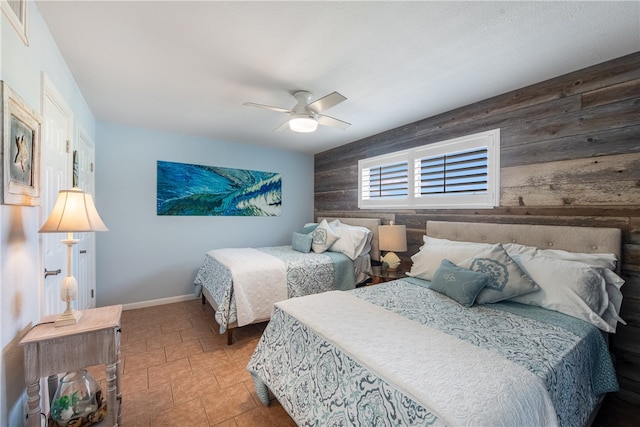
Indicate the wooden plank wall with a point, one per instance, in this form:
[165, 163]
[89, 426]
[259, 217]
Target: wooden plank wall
[570, 155]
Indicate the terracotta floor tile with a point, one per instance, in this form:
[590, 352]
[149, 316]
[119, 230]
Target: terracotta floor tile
[134, 381]
[213, 342]
[133, 347]
[227, 402]
[242, 350]
[179, 351]
[175, 326]
[230, 373]
[273, 415]
[147, 402]
[190, 414]
[142, 421]
[138, 361]
[169, 371]
[160, 341]
[208, 360]
[178, 378]
[98, 372]
[228, 423]
[198, 383]
[150, 330]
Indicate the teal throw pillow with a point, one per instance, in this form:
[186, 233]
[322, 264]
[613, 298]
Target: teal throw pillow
[459, 283]
[301, 242]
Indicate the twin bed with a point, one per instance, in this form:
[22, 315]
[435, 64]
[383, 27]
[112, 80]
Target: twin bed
[242, 284]
[402, 353]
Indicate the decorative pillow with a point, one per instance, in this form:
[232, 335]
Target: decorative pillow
[570, 287]
[323, 237]
[603, 260]
[351, 240]
[301, 242]
[507, 278]
[428, 259]
[308, 228]
[459, 283]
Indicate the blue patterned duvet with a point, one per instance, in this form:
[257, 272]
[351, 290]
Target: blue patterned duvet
[320, 384]
[307, 273]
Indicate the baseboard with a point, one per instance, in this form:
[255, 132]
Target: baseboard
[160, 301]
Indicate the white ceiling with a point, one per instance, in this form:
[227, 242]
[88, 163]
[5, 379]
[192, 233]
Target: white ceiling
[188, 66]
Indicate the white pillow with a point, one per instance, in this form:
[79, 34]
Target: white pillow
[603, 260]
[428, 259]
[351, 240]
[570, 287]
[323, 237]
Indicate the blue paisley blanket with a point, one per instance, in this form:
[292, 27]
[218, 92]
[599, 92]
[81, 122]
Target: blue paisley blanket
[306, 273]
[548, 367]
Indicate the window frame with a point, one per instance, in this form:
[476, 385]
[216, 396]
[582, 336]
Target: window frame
[20, 26]
[491, 199]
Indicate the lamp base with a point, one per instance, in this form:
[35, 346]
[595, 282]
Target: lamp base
[68, 318]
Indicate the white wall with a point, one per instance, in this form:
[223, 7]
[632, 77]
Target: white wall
[21, 68]
[146, 257]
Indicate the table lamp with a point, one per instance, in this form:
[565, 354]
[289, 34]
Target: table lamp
[74, 211]
[392, 238]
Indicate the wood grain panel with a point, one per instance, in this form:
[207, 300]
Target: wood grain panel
[570, 155]
[623, 69]
[609, 94]
[603, 143]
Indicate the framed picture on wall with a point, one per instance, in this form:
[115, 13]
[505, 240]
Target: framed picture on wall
[21, 132]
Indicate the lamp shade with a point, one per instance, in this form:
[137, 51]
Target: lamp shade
[74, 211]
[392, 238]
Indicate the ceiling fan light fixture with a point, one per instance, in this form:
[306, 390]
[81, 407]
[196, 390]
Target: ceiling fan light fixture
[303, 123]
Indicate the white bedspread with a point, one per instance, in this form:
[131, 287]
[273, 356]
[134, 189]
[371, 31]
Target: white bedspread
[474, 387]
[251, 270]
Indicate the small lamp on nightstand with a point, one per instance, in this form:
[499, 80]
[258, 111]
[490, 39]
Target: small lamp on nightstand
[393, 238]
[73, 211]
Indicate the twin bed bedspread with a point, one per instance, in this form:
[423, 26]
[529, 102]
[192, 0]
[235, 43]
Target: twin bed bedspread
[411, 356]
[304, 273]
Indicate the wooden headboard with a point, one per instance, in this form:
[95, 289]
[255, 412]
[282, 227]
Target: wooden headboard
[568, 238]
[371, 223]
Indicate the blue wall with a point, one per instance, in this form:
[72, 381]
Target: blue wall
[22, 67]
[147, 257]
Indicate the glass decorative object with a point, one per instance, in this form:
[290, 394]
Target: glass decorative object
[77, 399]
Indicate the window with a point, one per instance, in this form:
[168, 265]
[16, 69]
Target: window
[457, 173]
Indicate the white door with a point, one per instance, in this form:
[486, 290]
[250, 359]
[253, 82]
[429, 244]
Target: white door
[56, 164]
[83, 165]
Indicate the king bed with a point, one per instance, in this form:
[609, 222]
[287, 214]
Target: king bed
[498, 324]
[242, 284]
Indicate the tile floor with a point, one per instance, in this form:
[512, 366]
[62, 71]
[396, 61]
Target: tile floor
[177, 370]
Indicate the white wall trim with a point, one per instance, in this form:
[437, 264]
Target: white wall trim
[159, 301]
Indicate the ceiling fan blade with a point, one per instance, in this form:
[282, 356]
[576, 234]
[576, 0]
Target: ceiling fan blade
[283, 126]
[326, 102]
[267, 107]
[330, 121]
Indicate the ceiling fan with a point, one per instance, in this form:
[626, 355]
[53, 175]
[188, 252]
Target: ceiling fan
[305, 115]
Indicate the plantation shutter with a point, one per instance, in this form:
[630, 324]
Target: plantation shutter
[463, 173]
[387, 181]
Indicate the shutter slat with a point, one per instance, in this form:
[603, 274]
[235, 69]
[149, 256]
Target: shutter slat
[460, 173]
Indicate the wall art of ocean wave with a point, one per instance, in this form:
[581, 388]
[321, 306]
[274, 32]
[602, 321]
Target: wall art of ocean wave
[197, 190]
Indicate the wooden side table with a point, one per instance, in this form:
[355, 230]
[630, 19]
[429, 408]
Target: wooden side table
[379, 275]
[94, 340]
